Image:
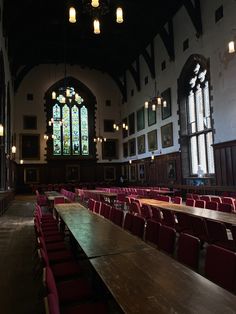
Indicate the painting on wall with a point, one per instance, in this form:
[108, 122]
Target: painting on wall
[30, 147]
[141, 144]
[30, 122]
[109, 173]
[171, 170]
[132, 147]
[166, 111]
[132, 173]
[140, 119]
[125, 172]
[167, 135]
[131, 123]
[31, 175]
[125, 149]
[151, 116]
[141, 172]
[110, 149]
[72, 173]
[152, 140]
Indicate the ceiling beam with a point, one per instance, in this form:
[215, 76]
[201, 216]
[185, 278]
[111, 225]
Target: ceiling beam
[194, 12]
[150, 59]
[135, 72]
[167, 37]
[122, 85]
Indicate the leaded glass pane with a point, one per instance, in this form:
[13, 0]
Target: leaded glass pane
[210, 154]
[56, 114]
[199, 109]
[194, 158]
[207, 106]
[202, 152]
[84, 131]
[191, 112]
[75, 130]
[66, 130]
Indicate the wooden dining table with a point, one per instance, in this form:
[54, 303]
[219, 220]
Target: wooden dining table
[51, 195]
[228, 218]
[141, 278]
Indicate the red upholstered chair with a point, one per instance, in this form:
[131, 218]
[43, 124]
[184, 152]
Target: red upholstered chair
[166, 239]
[216, 199]
[138, 226]
[168, 218]
[177, 200]
[212, 205]
[156, 213]
[200, 203]
[66, 291]
[91, 204]
[119, 217]
[218, 235]
[195, 196]
[199, 228]
[60, 270]
[220, 267]
[146, 211]
[225, 207]
[184, 223]
[152, 231]
[42, 200]
[107, 211]
[97, 207]
[188, 250]
[59, 200]
[190, 202]
[134, 208]
[52, 307]
[206, 198]
[128, 222]
[229, 200]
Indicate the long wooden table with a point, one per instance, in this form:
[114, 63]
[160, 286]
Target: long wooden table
[96, 235]
[51, 195]
[229, 218]
[141, 278]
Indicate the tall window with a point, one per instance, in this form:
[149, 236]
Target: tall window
[70, 125]
[199, 122]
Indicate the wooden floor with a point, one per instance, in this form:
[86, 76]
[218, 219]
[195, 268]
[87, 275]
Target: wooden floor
[19, 290]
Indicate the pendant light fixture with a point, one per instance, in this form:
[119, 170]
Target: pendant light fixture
[156, 101]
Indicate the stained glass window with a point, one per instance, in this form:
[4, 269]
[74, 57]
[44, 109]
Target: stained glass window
[199, 123]
[70, 126]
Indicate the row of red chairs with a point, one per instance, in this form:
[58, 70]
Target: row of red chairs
[60, 270]
[71, 196]
[223, 207]
[213, 198]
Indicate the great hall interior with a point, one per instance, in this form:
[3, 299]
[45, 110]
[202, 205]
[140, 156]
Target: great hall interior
[117, 156]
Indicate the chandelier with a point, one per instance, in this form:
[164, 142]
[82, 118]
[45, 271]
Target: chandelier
[121, 125]
[96, 9]
[155, 101]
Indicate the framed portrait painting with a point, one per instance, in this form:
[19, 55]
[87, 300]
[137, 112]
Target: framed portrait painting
[141, 172]
[30, 148]
[152, 115]
[125, 149]
[132, 147]
[140, 119]
[31, 175]
[166, 110]
[141, 144]
[109, 173]
[132, 173]
[167, 135]
[131, 123]
[152, 140]
[171, 170]
[72, 173]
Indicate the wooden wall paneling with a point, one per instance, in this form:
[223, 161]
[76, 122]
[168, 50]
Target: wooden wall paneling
[223, 166]
[234, 164]
[229, 166]
[218, 167]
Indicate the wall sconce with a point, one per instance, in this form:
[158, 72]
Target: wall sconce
[13, 149]
[1, 130]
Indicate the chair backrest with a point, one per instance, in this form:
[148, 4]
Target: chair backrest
[138, 226]
[156, 213]
[177, 200]
[206, 198]
[199, 228]
[225, 207]
[50, 282]
[184, 223]
[195, 196]
[59, 200]
[168, 218]
[91, 204]
[220, 267]
[134, 207]
[166, 239]
[188, 250]
[217, 231]
[146, 211]
[152, 231]
[51, 304]
[107, 211]
[119, 217]
[97, 207]
[216, 199]
[190, 202]
[128, 222]
[200, 203]
[228, 200]
[212, 205]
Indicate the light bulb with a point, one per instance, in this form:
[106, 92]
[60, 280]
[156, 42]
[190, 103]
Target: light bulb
[21, 161]
[164, 103]
[130, 161]
[159, 100]
[13, 149]
[126, 127]
[72, 15]
[117, 128]
[54, 95]
[1, 130]
[95, 3]
[114, 126]
[119, 15]
[153, 107]
[146, 104]
[123, 125]
[96, 26]
[105, 139]
[231, 47]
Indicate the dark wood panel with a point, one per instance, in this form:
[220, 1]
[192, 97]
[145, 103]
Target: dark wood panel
[223, 166]
[229, 166]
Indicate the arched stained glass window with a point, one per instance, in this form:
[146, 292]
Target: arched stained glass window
[70, 125]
